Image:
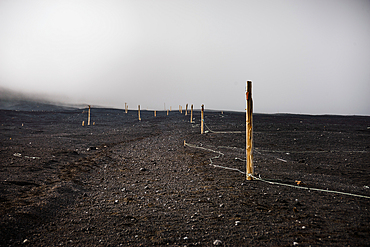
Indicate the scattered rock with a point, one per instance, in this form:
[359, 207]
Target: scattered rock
[217, 242]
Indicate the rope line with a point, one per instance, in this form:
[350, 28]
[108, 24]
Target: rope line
[221, 132]
[270, 182]
[308, 188]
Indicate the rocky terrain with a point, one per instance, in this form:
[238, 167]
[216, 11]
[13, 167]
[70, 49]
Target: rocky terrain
[125, 182]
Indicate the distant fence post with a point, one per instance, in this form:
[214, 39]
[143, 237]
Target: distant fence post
[249, 130]
[186, 109]
[167, 112]
[202, 120]
[125, 107]
[88, 117]
[138, 111]
[191, 114]
[155, 113]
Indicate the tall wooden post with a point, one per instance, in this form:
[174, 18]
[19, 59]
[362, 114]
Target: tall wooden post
[191, 114]
[249, 130]
[88, 117]
[138, 111]
[125, 107]
[202, 120]
[167, 112]
[186, 109]
[155, 113]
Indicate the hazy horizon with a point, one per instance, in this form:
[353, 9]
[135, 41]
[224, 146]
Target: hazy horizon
[304, 57]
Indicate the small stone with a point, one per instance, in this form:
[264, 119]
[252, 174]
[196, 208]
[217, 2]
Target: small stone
[237, 223]
[221, 205]
[217, 242]
[295, 243]
[142, 169]
[116, 201]
[185, 238]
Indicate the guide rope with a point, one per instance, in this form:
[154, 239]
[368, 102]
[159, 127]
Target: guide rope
[267, 181]
[308, 188]
[222, 132]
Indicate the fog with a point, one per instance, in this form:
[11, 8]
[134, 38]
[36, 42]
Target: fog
[302, 56]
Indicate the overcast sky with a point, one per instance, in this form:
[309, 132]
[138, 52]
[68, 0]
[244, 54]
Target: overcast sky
[302, 56]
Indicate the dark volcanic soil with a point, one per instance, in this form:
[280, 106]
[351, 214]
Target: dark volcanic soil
[124, 182]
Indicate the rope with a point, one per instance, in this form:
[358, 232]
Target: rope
[298, 152]
[307, 188]
[221, 132]
[270, 182]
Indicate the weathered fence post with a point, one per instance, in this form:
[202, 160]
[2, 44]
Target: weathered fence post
[155, 113]
[249, 130]
[138, 111]
[125, 107]
[202, 120]
[88, 118]
[191, 114]
[186, 110]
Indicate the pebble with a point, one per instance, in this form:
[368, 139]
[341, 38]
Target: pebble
[217, 242]
[142, 169]
[237, 223]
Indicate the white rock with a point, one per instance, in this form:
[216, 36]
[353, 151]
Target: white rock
[217, 242]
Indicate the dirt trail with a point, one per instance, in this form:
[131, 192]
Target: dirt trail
[124, 182]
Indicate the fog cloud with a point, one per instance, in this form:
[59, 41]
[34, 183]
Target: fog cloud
[302, 56]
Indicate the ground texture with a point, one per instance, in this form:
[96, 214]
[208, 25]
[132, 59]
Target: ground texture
[124, 182]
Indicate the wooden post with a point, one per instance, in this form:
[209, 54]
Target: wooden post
[88, 118]
[191, 114]
[167, 112]
[155, 113]
[186, 109]
[83, 123]
[125, 107]
[170, 108]
[249, 130]
[202, 120]
[138, 111]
